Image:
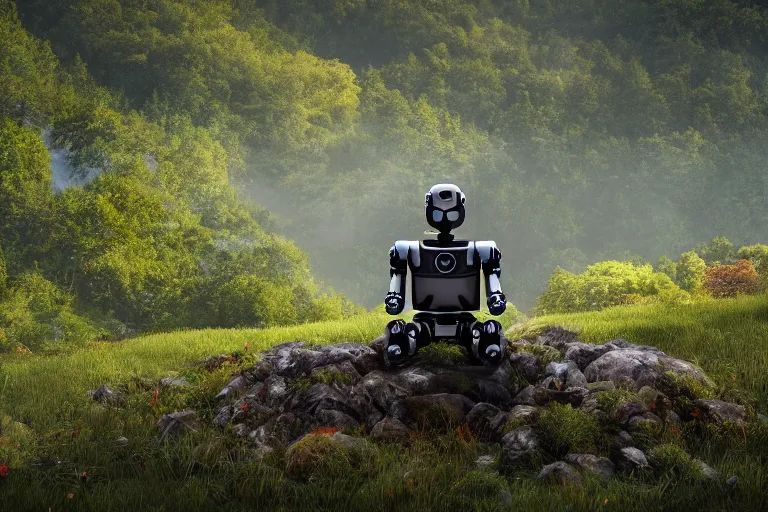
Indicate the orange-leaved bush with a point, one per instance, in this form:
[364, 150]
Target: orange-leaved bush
[732, 280]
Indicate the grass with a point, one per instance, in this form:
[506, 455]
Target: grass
[62, 433]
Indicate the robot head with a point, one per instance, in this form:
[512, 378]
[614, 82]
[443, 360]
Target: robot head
[445, 207]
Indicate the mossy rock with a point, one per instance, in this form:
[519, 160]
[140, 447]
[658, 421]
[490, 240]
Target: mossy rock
[561, 429]
[674, 459]
[609, 401]
[545, 353]
[316, 454]
[683, 390]
[17, 442]
[443, 354]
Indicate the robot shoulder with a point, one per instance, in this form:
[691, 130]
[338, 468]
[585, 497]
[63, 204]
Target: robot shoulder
[488, 251]
[402, 248]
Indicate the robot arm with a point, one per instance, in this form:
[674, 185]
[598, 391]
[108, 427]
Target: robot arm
[490, 258]
[398, 263]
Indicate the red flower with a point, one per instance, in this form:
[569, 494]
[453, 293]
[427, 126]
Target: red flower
[246, 346]
[3, 470]
[154, 398]
[244, 407]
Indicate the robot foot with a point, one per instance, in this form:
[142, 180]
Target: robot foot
[400, 342]
[488, 344]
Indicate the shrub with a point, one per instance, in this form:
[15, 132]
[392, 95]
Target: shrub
[604, 284]
[3, 272]
[316, 454]
[719, 250]
[37, 314]
[672, 458]
[732, 280]
[563, 429]
[758, 255]
[668, 267]
[691, 272]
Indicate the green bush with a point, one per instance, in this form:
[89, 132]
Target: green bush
[691, 272]
[563, 429]
[37, 314]
[605, 284]
[674, 459]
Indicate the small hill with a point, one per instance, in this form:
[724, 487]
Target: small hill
[108, 451]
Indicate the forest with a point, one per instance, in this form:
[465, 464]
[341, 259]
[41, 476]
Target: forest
[181, 164]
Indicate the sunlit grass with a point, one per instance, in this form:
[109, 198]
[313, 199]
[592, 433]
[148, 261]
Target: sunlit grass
[214, 470]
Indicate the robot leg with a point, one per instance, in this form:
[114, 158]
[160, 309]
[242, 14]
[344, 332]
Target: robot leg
[402, 340]
[484, 341]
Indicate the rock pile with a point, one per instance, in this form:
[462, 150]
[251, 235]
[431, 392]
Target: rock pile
[630, 393]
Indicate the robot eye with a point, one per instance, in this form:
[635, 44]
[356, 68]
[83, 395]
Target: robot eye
[452, 216]
[445, 194]
[437, 215]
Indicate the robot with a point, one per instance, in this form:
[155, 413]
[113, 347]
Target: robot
[445, 288]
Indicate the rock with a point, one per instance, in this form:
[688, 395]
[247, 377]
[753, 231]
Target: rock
[672, 418]
[121, 441]
[391, 430]
[556, 337]
[590, 405]
[213, 363]
[337, 419]
[732, 481]
[573, 396]
[645, 422]
[519, 447]
[526, 364]
[583, 353]
[567, 373]
[436, 411]
[321, 397]
[560, 472]
[355, 445]
[240, 430]
[532, 395]
[639, 366]
[483, 422]
[523, 414]
[648, 396]
[485, 462]
[103, 395]
[599, 466]
[631, 459]
[721, 413]
[274, 390]
[708, 471]
[622, 440]
[235, 384]
[285, 429]
[601, 385]
[383, 389]
[177, 423]
[223, 416]
[628, 409]
[168, 382]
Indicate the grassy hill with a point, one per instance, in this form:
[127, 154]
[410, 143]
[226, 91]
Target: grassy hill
[63, 450]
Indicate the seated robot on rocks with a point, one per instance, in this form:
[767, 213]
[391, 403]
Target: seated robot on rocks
[445, 288]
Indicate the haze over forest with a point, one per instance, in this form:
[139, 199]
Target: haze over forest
[580, 131]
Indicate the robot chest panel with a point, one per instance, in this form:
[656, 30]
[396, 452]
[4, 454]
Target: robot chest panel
[445, 261]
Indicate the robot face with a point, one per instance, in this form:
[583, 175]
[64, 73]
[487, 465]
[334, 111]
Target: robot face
[445, 207]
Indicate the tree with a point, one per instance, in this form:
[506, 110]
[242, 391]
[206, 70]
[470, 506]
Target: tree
[691, 272]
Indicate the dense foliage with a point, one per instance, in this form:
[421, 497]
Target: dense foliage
[732, 280]
[579, 131]
[158, 240]
[606, 284]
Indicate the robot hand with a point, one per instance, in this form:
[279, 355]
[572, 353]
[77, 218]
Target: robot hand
[394, 303]
[497, 303]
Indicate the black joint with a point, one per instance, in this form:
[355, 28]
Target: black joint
[395, 261]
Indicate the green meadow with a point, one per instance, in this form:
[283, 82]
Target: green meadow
[64, 451]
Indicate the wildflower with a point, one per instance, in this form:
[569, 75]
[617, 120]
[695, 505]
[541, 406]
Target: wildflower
[76, 433]
[605, 502]
[3, 470]
[244, 407]
[388, 492]
[154, 398]
[84, 476]
[70, 496]
[696, 413]
[246, 346]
